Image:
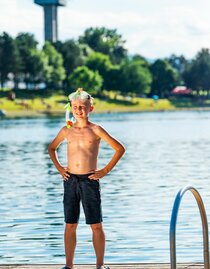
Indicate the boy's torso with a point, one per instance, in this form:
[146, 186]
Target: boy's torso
[82, 149]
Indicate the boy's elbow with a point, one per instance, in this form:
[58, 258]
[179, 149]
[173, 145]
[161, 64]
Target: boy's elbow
[50, 148]
[122, 149]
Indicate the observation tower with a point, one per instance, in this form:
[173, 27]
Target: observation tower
[50, 17]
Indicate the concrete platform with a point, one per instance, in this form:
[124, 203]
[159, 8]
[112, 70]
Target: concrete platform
[112, 266]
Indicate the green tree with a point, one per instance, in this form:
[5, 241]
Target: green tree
[164, 77]
[26, 43]
[86, 50]
[179, 63]
[56, 72]
[113, 78]
[135, 77]
[140, 58]
[72, 54]
[9, 57]
[106, 41]
[39, 68]
[101, 63]
[197, 73]
[84, 77]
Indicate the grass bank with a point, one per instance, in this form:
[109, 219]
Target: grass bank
[54, 105]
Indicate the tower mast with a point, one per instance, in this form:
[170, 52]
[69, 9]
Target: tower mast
[50, 17]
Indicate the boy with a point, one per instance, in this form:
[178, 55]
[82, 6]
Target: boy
[81, 176]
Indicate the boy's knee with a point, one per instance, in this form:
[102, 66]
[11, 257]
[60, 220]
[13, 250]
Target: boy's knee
[71, 226]
[96, 227]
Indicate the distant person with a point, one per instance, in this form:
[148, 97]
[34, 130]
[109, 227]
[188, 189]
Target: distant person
[155, 98]
[81, 176]
[11, 96]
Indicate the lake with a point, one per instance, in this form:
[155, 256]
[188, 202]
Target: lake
[165, 152]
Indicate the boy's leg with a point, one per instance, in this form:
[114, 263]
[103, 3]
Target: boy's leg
[70, 243]
[91, 202]
[71, 202]
[98, 243]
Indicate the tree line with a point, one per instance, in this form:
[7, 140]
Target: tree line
[98, 60]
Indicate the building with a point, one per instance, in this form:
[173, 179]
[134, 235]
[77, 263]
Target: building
[50, 17]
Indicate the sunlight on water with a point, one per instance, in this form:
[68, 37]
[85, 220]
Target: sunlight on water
[165, 151]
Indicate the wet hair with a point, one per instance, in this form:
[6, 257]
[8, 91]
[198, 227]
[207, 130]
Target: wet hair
[80, 94]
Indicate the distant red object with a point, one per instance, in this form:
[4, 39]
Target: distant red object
[181, 90]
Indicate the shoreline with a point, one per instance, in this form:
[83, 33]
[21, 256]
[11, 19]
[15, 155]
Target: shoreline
[54, 106]
[53, 113]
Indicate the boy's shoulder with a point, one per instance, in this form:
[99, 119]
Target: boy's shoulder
[63, 130]
[97, 128]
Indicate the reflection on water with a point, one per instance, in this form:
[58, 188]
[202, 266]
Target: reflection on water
[165, 151]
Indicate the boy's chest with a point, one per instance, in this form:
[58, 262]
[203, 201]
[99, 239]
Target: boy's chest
[82, 136]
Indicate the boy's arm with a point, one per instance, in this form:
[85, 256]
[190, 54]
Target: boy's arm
[53, 153]
[116, 145]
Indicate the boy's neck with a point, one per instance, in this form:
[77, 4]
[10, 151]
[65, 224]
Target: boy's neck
[82, 123]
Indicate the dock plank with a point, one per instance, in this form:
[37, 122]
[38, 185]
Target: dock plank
[112, 266]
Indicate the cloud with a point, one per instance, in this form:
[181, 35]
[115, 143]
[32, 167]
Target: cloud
[79, 21]
[14, 19]
[180, 30]
[151, 28]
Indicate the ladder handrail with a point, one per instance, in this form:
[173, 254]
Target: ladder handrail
[173, 226]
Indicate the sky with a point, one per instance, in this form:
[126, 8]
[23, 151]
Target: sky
[151, 28]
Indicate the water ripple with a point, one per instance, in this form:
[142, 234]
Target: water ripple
[165, 151]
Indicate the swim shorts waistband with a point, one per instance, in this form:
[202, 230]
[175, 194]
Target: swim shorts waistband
[80, 175]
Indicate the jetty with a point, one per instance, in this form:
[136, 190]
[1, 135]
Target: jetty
[112, 266]
[172, 265]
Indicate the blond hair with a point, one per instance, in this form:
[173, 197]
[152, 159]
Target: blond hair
[80, 94]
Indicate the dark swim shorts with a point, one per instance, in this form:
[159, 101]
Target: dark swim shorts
[80, 188]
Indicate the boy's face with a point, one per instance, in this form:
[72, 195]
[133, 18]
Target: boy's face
[81, 108]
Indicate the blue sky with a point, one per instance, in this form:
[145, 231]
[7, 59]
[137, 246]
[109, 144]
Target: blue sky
[152, 28]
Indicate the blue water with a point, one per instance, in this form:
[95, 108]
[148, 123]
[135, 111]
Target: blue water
[165, 151]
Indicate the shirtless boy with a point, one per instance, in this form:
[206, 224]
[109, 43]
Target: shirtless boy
[81, 176]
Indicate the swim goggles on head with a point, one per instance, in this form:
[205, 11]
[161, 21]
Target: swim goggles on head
[78, 94]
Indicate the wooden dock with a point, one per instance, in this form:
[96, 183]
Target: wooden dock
[112, 266]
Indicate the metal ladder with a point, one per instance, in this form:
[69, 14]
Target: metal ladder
[173, 226]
